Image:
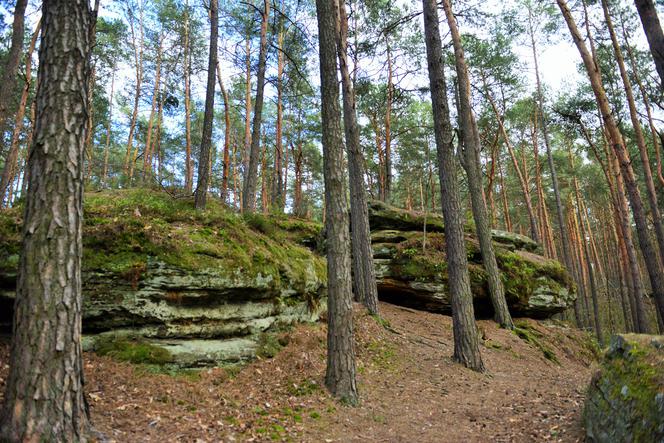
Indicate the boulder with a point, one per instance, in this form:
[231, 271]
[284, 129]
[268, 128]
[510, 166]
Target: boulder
[411, 267]
[625, 400]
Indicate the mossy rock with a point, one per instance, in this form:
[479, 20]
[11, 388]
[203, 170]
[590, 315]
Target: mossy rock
[625, 400]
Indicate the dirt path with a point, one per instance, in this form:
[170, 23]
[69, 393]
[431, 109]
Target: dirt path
[411, 390]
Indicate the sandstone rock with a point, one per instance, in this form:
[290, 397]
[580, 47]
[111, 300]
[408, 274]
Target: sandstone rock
[625, 400]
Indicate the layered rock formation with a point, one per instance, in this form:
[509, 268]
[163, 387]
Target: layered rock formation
[625, 401]
[411, 268]
[207, 286]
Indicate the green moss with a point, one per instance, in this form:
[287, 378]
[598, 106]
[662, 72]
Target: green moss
[132, 351]
[526, 332]
[303, 389]
[269, 345]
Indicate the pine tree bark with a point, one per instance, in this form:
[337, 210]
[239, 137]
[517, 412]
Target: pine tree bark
[466, 340]
[388, 123]
[227, 135]
[206, 140]
[251, 175]
[107, 148]
[8, 79]
[278, 182]
[364, 274]
[651, 257]
[154, 109]
[340, 374]
[9, 169]
[44, 398]
[188, 162]
[471, 150]
[653, 31]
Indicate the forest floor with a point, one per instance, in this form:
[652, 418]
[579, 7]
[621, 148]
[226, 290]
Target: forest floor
[410, 389]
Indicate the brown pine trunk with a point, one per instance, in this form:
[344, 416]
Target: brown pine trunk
[466, 340]
[503, 193]
[9, 73]
[251, 175]
[653, 31]
[107, 149]
[204, 161]
[340, 373]
[137, 45]
[188, 162]
[227, 136]
[638, 133]
[471, 149]
[388, 125]
[650, 254]
[44, 398]
[147, 153]
[247, 103]
[278, 184]
[364, 274]
[9, 170]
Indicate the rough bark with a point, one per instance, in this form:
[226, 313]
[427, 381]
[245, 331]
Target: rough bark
[44, 398]
[653, 31]
[251, 175]
[340, 374]
[227, 135]
[206, 140]
[107, 148]
[188, 162]
[364, 274]
[466, 340]
[278, 182]
[471, 150]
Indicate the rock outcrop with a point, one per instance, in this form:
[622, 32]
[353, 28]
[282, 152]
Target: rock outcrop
[411, 268]
[207, 286]
[625, 400]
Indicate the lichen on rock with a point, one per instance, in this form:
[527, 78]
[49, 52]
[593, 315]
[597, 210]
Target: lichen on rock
[625, 400]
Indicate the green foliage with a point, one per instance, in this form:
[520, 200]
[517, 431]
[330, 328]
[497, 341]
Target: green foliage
[526, 332]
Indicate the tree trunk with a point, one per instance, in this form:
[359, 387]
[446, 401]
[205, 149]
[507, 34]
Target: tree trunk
[227, 136]
[466, 340]
[147, 153]
[137, 44]
[472, 165]
[388, 124]
[208, 118]
[340, 374]
[364, 274]
[107, 149]
[251, 175]
[653, 31]
[12, 61]
[44, 399]
[9, 169]
[650, 254]
[188, 162]
[278, 184]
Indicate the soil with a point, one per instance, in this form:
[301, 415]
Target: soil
[410, 389]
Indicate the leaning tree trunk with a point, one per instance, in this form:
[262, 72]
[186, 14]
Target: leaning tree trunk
[472, 165]
[206, 140]
[251, 175]
[227, 136]
[466, 340]
[9, 170]
[8, 79]
[364, 274]
[650, 255]
[44, 398]
[340, 374]
[654, 34]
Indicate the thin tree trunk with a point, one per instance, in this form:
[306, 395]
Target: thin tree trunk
[278, 184]
[208, 118]
[638, 134]
[10, 71]
[44, 398]
[388, 124]
[227, 135]
[650, 254]
[471, 150]
[364, 274]
[340, 374]
[9, 169]
[137, 44]
[251, 175]
[466, 340]
[247, 103]
[107, 149]
[188, 162]
[147, 153]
